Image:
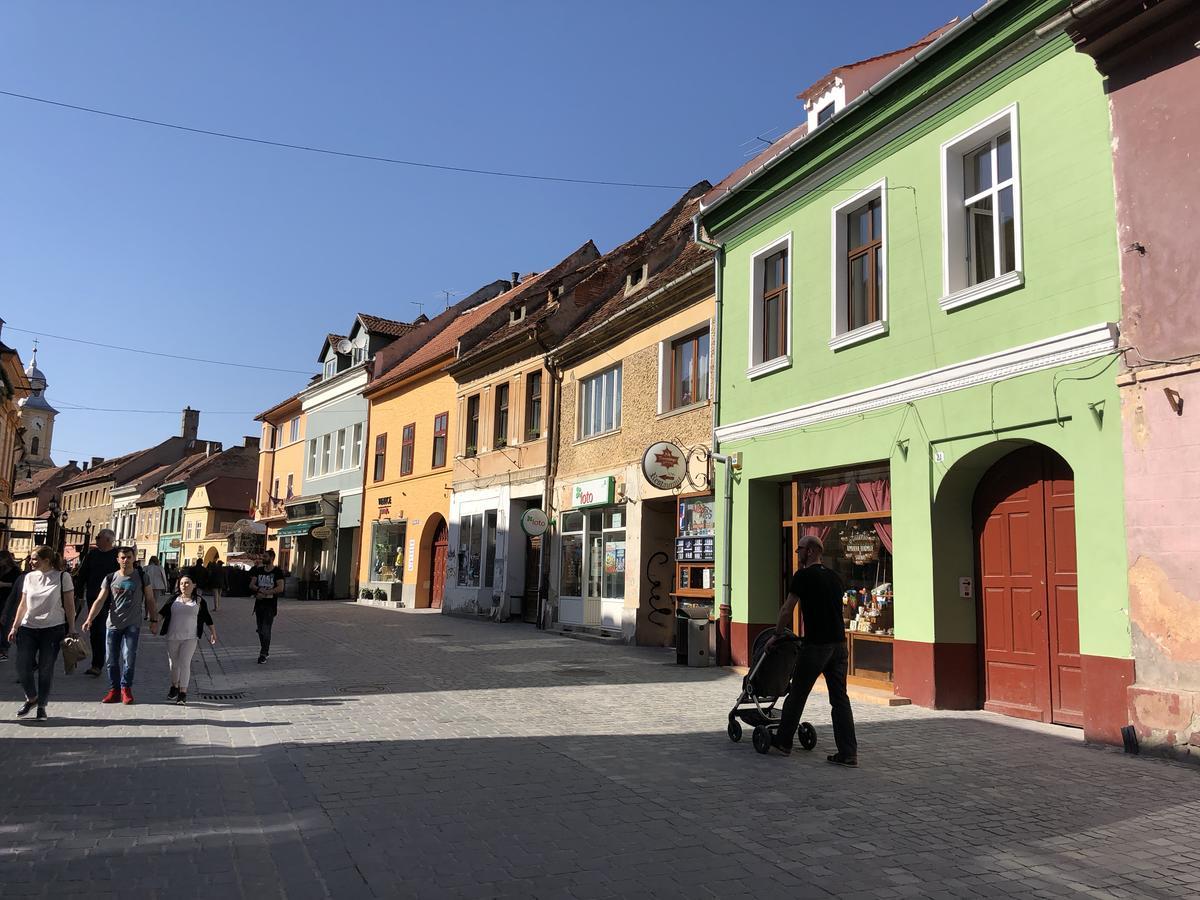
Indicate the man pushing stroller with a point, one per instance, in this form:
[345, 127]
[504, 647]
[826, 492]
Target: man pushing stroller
[819, 592]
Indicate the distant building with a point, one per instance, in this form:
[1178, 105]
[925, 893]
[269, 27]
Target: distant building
[37, 420]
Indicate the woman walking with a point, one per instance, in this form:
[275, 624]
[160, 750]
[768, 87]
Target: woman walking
[183, 620]
[158, 580]
[44, 616]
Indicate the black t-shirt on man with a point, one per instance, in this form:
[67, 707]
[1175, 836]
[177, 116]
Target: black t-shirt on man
[820, 592]
[262, 583]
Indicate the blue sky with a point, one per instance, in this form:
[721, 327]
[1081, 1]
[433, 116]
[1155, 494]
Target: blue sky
[142, 237]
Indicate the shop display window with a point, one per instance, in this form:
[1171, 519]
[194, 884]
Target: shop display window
[695, 546]
[387, 551]
[593, 541]
[470, 550]
[850, 511]
[571, 566]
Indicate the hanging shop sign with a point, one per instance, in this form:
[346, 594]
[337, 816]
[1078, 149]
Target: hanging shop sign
[665, 465]
[861, 546]
[321, 533]
[175, 544]
[534, 522]
[594, 492]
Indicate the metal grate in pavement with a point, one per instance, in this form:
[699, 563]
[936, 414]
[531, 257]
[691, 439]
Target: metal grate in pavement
[364, 688]
[581, 672]
[233, 695]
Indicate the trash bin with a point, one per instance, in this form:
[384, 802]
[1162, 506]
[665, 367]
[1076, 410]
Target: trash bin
[697, 642]
[681, 636]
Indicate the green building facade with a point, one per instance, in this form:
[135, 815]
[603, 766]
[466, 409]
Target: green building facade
[917, 365]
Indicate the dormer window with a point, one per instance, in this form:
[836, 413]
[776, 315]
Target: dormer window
[635, 277]
[825, 113]
[357, 355]
[516, 314]
[330, 367]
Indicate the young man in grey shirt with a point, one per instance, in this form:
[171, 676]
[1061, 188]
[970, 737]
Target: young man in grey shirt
[130, 592]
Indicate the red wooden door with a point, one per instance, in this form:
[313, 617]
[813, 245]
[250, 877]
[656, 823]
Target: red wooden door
[441, 546]
[1025, 532]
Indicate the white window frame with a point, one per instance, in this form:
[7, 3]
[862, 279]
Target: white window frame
[356, 446]
[327, 453]
[294, 430]
[358, 355]
[312, 457]
[756, 366]
[340, 457]
[330, 368]
[600, 378]
[839, 336]
[956, 292]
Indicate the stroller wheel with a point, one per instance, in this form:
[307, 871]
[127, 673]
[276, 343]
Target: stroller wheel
[762, 739]
[808, 736]
[734, 730]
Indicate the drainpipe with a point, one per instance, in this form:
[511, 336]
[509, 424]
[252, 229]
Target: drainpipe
[552, 429]
[1074, 13]
[725, 620]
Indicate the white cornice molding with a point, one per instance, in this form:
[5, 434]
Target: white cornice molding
[1085, 343]
[323, 393]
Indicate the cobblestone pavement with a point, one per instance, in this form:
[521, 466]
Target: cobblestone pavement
[391, 754]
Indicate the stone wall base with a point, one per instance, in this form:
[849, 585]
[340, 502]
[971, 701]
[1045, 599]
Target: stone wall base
[1167, 720]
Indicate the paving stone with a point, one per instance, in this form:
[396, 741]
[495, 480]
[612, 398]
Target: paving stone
[408, 754]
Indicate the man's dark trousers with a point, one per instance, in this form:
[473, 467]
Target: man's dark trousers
[832, 661]
[99, 636]
[265, 617]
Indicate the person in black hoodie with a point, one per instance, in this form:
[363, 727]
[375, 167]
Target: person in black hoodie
[10, 575]
[183, 619]
[98, 564]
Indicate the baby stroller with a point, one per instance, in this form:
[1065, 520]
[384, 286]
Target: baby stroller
[767, 681]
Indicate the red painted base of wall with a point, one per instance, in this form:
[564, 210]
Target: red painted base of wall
[742, 640]
[940, 675]
[1106, 684]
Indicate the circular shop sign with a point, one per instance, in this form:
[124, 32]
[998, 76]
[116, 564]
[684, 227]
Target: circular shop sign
[534, 522]
[321, 532]
[664, 465]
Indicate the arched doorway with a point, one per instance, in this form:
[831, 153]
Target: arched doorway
[438, 557]
[1024, 527]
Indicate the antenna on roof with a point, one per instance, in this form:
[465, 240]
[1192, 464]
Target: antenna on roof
[420, 307]
[764, 138]
[447, 293]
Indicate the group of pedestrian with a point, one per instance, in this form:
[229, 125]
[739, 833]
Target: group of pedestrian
[38, 613]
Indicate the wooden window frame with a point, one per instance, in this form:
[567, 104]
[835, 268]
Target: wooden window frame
[471, 427]
[694, 339]
[440, 433]
[765, 297]
[408, 442]
[380, 458]
[500, 407]
[872, 250]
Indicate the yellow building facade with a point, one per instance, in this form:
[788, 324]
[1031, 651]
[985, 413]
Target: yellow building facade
[281, 478]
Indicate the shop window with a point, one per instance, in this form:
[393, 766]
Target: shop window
[689, 370]
[440, 422]
[600, 403]
[489, 547]
[286, 544]
[470, 550]
[981, 249]
[571, 563]
[471, 448]
[380, 456]
[500, 420]
[387, 551]
[533, 406]
[770, 308]
[408, 439]
[860, 267]
[850, 512]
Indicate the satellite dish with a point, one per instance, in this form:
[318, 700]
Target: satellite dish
[344, 346]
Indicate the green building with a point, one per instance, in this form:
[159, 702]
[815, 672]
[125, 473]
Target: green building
[919, 291]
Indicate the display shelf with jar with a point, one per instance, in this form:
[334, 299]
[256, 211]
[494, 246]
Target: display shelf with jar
[695, 546]
[849, 510]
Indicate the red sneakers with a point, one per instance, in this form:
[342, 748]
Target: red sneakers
[111, 697]
[126, 696]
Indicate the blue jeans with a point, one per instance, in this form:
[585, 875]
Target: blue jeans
[121, 655]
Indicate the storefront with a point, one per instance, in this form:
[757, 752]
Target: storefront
[849, 511]
[592, 558]
[695, 551]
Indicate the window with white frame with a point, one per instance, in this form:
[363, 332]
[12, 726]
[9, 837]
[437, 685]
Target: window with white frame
[860, 267]
[357, 355]
[356, 447]
[600, 403]
[981, 213]
[294, 430]
[326, 453]
[331, 367]
[312, 457]
[341, 449]
[771, 307]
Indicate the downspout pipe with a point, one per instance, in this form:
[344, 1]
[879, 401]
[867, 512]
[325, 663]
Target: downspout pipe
[552, 430]
[725, 620]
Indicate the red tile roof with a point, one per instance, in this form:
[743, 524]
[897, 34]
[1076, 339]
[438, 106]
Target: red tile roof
[857, 77]
[380, 325]
[34, 482]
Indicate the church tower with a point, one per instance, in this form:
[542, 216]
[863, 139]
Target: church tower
[37, 418]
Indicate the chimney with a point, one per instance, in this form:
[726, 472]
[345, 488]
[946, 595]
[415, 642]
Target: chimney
[191, 424]
[251, 442]
[96, 460]
[83, 467]
[516, 279]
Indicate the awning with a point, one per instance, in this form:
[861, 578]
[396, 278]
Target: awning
[297, 529]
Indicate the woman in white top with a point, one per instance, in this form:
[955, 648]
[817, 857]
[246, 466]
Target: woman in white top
[183, 620]
[158, 580]
[44, 616]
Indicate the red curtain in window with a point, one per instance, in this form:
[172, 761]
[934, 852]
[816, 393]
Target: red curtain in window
[822, 500]
[877, 495]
